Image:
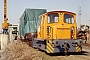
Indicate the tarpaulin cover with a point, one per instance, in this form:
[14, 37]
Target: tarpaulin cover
[28, 20]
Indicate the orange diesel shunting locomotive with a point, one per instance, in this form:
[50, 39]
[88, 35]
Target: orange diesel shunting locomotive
[57, 32]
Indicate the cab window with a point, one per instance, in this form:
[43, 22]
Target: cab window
[68, 18]
[52, 18]
[39, 21]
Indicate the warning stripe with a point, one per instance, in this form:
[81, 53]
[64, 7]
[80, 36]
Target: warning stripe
[49, 46]
[50, 41]
[78, 48]
[47, 51]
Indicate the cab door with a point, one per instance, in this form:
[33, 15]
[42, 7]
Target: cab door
[53, 21]
[69, 24]
[42, 27]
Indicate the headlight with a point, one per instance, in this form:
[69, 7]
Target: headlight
[49, 36]
[72, 32]
[48, 29]
[39, 29]
[72, 29]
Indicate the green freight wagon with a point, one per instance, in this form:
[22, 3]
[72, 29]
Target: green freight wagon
[28, 20]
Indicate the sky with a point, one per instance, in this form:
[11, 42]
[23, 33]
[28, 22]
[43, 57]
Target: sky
[15, 8]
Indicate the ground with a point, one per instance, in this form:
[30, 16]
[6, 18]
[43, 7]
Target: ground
[21, 51]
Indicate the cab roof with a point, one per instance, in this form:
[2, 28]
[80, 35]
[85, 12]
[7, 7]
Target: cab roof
[62, 12]
[59, 11]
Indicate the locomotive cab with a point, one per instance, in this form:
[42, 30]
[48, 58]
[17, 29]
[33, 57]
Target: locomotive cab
[57, 25]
